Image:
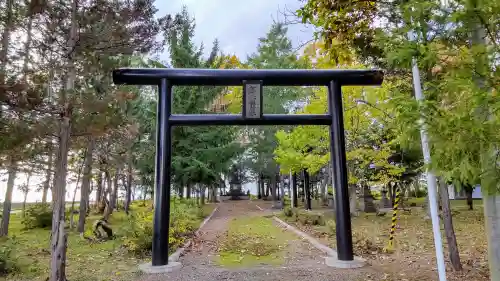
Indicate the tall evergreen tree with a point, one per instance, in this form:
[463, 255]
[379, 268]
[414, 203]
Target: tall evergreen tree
[274, 51]
[199, 154]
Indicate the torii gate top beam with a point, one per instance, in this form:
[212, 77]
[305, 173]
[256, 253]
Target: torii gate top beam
[235, 77]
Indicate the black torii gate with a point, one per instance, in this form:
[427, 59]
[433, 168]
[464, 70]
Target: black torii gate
[253, 82]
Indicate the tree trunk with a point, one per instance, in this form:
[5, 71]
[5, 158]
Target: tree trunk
[109, 184]
[196, 189]
[323, 184]
[202, 194]
[91, 189]
[188, 191]
[108, 195]
[259, 180]
[214, 194]
[107, 209]
[27, 46]
[274, 188]
[264, 188]
[448, 226]
[307, 190]
[114, 194]
[72, 210]
[295, 193]
[470, 201]
[7, 204]
[24, 203]
[353, 204]
[25, 74]
[390, 189]
[59, 239]
[48, 175]
[268, 187]
[128, 186]
[282, 191]
[4, 50]
[98, 195]
[26, 192]
[289, 187]
[85, 189]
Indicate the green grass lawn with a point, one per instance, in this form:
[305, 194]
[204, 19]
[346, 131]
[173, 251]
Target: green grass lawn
[254, 241]
[86, 261]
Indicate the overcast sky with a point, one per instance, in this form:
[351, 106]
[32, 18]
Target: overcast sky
[237, 24]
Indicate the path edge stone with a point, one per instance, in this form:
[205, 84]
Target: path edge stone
[331, 259]
[173, 259]
[318, 245]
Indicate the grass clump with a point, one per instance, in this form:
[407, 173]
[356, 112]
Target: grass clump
[252, 241]
[303, 217]
[7, 259]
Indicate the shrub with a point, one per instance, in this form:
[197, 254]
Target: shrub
[38, 215]
[332, 228]
[329, 190]
[363, 245]
[288, 212]
[138, 233]
[200, 214]
[287, 200]
[317, 219]
[419, 193]
[307, 218]
[7, 260]
[376, 195]
[303, 219]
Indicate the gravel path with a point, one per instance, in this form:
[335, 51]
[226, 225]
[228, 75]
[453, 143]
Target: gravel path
[302, 261]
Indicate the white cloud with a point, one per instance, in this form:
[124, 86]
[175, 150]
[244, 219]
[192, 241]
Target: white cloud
[237, 24]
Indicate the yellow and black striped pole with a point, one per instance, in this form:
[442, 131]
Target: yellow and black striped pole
[390, 247]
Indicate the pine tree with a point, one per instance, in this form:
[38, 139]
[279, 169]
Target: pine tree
[274, 51]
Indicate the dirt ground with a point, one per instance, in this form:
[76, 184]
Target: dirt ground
[413, 258]
[302, 260]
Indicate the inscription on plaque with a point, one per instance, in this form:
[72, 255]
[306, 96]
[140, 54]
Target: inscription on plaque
[252, 100]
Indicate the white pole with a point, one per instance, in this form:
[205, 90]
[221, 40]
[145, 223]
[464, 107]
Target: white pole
[292, 195]
[431, 178]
